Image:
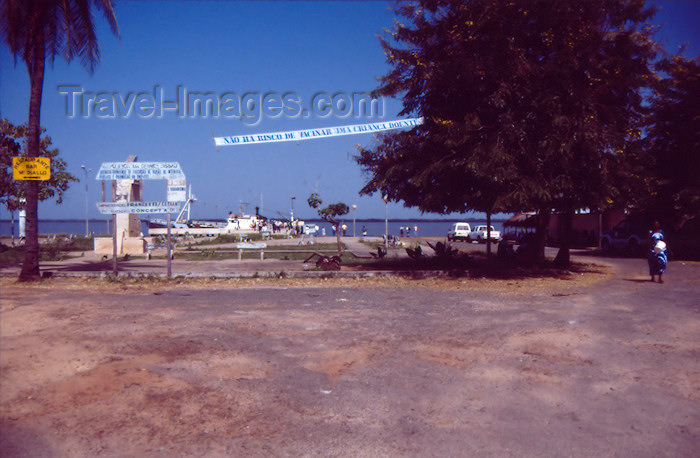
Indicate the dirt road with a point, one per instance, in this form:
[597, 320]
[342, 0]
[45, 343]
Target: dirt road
[606, 364]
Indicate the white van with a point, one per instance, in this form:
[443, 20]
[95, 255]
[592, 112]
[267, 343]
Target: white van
[459, 231]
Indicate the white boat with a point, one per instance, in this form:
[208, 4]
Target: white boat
[237, 224]
[179, 223]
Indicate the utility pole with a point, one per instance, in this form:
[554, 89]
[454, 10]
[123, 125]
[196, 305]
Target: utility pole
[354, 207]
[87, 228]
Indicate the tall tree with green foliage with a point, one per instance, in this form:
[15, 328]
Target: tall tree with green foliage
[528, 104]
[35, 30]
[12, 141]
[674, 141]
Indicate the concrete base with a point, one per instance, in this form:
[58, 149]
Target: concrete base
[129, 245]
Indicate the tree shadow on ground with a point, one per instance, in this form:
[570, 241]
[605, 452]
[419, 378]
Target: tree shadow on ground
[477, 266]
[599, 253]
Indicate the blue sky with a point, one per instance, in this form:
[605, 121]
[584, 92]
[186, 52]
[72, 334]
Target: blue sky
[293, 49]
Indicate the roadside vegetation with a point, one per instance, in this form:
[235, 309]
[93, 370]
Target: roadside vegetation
[37, 32]
[57, 248]
[580, 108]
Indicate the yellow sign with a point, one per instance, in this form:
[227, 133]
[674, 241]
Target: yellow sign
[31, 168]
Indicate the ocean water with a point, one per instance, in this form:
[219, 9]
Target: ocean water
[76, 227]
[426, 228]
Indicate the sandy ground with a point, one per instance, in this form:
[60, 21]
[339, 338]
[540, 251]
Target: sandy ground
[601, 364]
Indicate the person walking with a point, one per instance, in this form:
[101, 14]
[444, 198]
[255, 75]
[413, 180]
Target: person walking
[657, 257]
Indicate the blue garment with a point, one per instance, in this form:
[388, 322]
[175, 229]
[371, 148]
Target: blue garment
[657, 261]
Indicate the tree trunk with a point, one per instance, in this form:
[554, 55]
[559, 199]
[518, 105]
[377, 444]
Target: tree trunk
[563, 258]
[488, 234]
[30, 267]
[541, 235]
[337, 236]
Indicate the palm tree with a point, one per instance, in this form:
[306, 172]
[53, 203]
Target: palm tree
[35, 30]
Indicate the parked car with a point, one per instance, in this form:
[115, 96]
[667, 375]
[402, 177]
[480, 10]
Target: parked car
[629, 234]
[459, 231]
[480, 234]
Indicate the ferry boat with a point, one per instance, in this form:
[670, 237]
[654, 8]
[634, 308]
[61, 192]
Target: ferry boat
[239, 225]
[235, 224]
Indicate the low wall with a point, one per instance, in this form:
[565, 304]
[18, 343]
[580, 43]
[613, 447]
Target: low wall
[194, 231]
[129, 245]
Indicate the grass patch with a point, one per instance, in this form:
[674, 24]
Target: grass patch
[11, 254]
[232, 238]
[79, 243]
[58, 248]
[315, 247]
[286, 253]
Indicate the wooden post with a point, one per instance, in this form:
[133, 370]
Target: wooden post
[170, 272]
[115, 270]
[103, 199]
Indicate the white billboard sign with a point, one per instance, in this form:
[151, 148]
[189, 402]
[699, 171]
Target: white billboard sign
[141, 208]
[140, 171]
[177, 191]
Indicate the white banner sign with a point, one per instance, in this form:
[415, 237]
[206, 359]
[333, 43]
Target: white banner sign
[296, 135]
[142, 208]
[140, 171]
